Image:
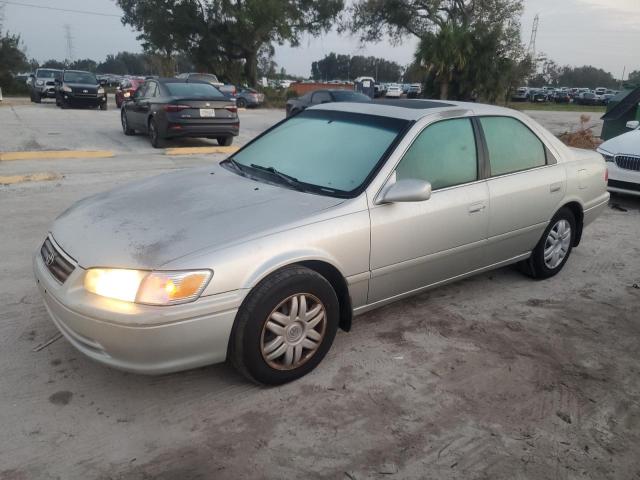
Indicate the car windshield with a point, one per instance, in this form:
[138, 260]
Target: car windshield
[48, 74]
[193, 90]
[80, 77]
[348, 96]
[326, 152]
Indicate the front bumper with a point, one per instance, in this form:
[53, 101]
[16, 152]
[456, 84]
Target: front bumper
[622, 180]
[139, 338]
[88, 100]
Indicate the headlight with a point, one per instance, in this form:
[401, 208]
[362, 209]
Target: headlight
[608, 157]
[66, 88]
[127, 94]
[153, 288]
[39, 82]
[100, 91]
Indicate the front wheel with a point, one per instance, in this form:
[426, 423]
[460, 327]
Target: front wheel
[225, 141]
[126, 129]
[241, 103]
[285, 326]
[103, 106]
[554, 248]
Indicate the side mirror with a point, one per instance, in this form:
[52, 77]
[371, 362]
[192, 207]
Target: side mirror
[407, 190]
[633, 124]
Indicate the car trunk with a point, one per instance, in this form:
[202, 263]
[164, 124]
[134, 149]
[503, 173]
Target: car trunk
[200, 111]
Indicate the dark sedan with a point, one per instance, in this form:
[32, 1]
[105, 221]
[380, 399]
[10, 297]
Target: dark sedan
[171, 108]
[297, 105]
[587, 98]
[76, 88]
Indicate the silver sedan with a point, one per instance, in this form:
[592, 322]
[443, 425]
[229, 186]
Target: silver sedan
[338, 210]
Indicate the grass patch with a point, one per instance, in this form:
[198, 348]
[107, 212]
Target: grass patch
[556, 107]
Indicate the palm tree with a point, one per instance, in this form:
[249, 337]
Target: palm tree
[445, 52]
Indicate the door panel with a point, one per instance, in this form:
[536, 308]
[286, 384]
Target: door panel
[521, 205]
[416, 244]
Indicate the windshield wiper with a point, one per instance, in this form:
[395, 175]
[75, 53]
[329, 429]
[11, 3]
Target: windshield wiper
[236, 165]
[291, 181]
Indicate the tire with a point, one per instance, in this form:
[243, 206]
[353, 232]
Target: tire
[125, 124]
[241, 103]
[154, 135]
[264, 357]
[63, 104]
[103, 106]
[37, 98]
[31, 97]
[557, 242]
[225, 141]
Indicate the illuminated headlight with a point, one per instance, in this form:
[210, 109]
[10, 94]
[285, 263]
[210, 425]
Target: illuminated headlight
[152, 288]
[39, 82]
[66, 88]
[100, 91]
[127, 94]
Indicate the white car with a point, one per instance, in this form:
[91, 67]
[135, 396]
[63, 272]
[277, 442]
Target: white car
[394, 90]
[622, 154]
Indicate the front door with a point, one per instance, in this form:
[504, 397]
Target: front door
[416, 244]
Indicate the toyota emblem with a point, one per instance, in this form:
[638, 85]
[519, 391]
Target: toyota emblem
[50, 258]
[85, 91]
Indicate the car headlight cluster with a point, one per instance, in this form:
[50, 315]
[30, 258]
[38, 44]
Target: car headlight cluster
[66, 88]
[100, 91]
[151, 288]
[39, 83]
[608, 157]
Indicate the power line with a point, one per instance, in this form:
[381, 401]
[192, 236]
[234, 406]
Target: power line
[67, 10]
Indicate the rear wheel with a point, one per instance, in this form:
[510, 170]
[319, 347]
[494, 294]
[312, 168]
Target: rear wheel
[241, 103]
[154, 135]
[126, 129]
[285, 326]
[225, 141]
[554, 248]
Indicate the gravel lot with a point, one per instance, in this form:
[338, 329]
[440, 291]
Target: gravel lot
[494, 377]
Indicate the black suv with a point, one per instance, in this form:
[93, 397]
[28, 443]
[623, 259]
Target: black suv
[78, 88]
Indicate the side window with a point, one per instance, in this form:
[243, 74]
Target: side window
[444, 154]
[154, 90]
[320, 97]
[512, 146]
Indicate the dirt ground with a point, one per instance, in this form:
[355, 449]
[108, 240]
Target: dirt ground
[494, 377]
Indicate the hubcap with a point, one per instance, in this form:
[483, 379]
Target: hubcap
[557, 244]
[293, 331]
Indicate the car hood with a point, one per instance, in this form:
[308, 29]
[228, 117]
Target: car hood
[625, 144]
[149, 223]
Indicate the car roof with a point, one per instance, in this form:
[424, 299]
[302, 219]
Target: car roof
[177, 80]
[413, 109]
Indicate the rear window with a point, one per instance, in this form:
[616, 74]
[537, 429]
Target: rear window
[194, 90]
[80, 77]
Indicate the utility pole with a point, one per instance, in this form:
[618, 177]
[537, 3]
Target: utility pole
[534, 35]
[69, 39]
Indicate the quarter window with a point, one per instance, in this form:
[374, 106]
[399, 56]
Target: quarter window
[444, 154]
[512, 146]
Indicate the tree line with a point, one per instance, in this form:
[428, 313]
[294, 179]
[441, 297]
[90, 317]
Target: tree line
[346, 67]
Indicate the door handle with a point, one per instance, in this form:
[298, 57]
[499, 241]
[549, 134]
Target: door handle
[555, 187]
[476, 207]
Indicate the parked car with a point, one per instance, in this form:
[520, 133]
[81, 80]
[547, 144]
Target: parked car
[317, 97]
[228, 90]
[520, 95]
[394, 91]
[622, 155]
[126, 90]
[173, 108]
[600, 91]
[538, 96]
[42, 83]
[202, 77]
[561, 96]
[248, 97]
[587, 98]
[77, 88]
[415, 90]
[341, 209]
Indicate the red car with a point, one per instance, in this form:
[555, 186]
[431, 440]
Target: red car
[126, 89]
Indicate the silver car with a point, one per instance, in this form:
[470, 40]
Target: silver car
[341, 209]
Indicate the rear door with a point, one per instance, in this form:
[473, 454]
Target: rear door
[139, 107]
[526, 186]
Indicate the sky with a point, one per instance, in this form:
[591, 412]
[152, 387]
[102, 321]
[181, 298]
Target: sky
[603, 33]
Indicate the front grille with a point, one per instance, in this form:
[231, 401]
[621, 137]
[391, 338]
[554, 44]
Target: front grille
[55, 261]
[628, 162]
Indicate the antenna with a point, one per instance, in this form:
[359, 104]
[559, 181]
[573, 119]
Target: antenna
[69, 38]
[534, 34]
